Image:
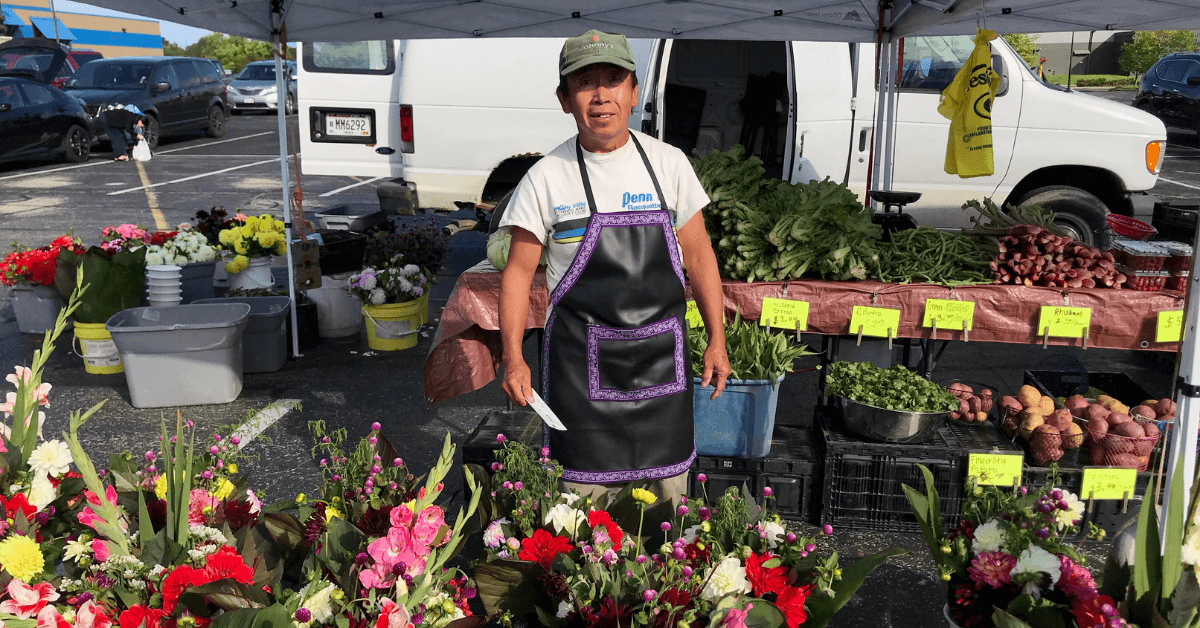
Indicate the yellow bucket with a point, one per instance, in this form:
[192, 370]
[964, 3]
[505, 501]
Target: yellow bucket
[393, 327]
[99, 354]
[423, 303]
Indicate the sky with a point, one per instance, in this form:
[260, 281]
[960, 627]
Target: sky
[176, 33]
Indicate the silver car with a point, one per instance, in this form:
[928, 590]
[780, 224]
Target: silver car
[254, 88]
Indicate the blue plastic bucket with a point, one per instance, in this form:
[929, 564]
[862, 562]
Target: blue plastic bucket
[740, 422]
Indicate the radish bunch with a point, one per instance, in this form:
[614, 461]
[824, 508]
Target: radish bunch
[1031, 255]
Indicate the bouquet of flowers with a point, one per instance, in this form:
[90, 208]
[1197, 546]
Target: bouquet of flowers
[124, 237]
[114, 271]
[421, 244]
[36, 267]
[179, 247]
[258, 236]
[1007, 564]
[574, 561]
[389, 284]
[211, 222]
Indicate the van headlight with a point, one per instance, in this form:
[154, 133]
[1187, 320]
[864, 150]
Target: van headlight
[1154, 156]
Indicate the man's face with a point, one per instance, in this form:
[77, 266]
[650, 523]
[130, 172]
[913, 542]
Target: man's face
[600, 96]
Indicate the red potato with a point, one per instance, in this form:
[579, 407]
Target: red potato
[1130, 429]
[1098, 428]
[1117, 418]
[1075, 401]
[1096, 455]
[1095, 411]
[1125, 461]
[1116, 444]
[1165, 406]
[1010, 405]
[1151, 430]
[1060, 419]
[954, 416]
[1144, 412]
[976, 405]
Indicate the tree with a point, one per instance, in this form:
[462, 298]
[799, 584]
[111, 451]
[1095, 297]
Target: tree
[1149, 46]
[172, 49]
[1025, 46]
[233, 52]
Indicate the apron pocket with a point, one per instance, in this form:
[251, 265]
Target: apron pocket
[633, 364]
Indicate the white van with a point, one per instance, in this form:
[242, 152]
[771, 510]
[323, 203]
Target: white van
[477, 108]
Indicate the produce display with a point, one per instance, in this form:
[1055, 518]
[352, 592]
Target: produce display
[1117, 435]
[1049, 431]
[1138, 255]
[1035, 256]
[941, 257]
[754, 352]
[893, 388]
[971, 407]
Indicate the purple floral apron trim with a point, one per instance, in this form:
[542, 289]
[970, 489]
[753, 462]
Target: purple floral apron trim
[596, 333]
[546, 373]
[617, 219]
[629, 475]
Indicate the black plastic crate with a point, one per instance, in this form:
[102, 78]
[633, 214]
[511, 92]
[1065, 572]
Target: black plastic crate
[1067, 383]
[789, 469]
[1175, 222]
[520, 425]
[342, 251]
[1072, 479]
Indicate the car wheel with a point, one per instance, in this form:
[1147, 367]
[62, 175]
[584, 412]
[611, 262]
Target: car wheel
[1147, 107]
[289, 105]
[76, 145]
[1078, 212]
[216, 122]
[151, 132]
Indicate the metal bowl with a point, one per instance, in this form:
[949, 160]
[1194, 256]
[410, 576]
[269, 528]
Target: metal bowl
[890, 426]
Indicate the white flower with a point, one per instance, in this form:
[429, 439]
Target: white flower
[154, 257]
[989, 537]
[378, 296]
[690, 534]
[563, 609]
[1037, 560]
[52, 458]
[569, 498]
[41, 492]
[411, 269]
[206, 253]
[180, 260]
[774, 530]
[184, 226]
[493, 536]
[1191, 548]
[368, 281]
[565, 519]
[318, 604]
[728, 577]
[75, 550]
[1070, 516]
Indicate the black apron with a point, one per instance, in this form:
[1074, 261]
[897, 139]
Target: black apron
[615, 364]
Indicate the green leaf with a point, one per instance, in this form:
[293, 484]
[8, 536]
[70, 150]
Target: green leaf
[226, 594]
[507, 585]
[822, 607]
[240, 618]
[1172, 565]
[145, 526]
[1185, 601]
[284, 529]
[274, 616]
[764, 614]
[1147, 564]
[1005, 620]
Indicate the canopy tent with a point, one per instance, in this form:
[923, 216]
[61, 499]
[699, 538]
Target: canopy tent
[882, 21]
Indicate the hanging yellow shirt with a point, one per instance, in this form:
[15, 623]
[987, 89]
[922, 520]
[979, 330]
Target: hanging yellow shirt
[967, 102]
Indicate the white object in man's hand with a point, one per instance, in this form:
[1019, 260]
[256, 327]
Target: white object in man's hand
[545, 412]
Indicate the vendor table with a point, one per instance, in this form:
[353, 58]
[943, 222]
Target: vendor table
[467, 350]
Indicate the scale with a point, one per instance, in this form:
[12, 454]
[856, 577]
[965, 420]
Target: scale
[896, 220]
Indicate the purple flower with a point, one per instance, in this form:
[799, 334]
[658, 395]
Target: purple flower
[372, 440]
[392, 486]
[827, 529]
[324, 462]
[190, 423]
[705, 513]
[678, 553]
[1056, 494]
[362, 558]
[376, 426]
[683, 499]
[701, 478]
[500, 438]
[303, 615]
[641, 559]
[682, 510]
[687, 572]
[324, 439]
[369, 484]
[991, 568]
[217, 437]
[398, 462]
[496, 466]
[1043, 533]
[545, 452]
[1113, 622]
[150, 456]
[418, 618]
[336, 478]
[1022, 490]
[86, 595]
[207, 474]
[767, 491]
[791, 537]
[508, 485]
[214, 450]
[42, 518]
[810, 547]
[666, 525]
[649, 595]
[375, 469]
[518, 485]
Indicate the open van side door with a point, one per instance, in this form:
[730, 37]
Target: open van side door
[653, 91]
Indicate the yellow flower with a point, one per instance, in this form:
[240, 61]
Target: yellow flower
[232, 468]
[331, 512]
[279, 226]
[266, 239]
[239, 263]
[644, 496]
[266, 221]
[248, 231]
[21, 557]
[281, 248]
[227, 236]
[223, 489]
[300, 498]
[239, 247]
[160, 486]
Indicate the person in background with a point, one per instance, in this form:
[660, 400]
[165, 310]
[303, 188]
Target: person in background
[124, 126]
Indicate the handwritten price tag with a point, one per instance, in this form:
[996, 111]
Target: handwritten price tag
[949, 314]
[784, 313]
[693, 315]
[995, 469]
[875, 321]
[1064, 322]
[1106, 483]
[1170, 326]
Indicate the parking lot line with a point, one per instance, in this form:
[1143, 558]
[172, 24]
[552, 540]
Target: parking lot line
[232, 139]
[160, 221]
[194, 177]
[40, 172]
[1186, 185]
[352, 185]
[262, 420]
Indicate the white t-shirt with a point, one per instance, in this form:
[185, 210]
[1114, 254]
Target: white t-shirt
[552, 192]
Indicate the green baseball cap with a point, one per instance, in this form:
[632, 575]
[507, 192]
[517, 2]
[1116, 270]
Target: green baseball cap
[595, 47]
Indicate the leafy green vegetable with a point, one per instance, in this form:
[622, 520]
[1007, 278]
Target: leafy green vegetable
[754, 353]
[894, 388]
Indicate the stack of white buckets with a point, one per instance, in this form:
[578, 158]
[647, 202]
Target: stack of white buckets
[163, 285]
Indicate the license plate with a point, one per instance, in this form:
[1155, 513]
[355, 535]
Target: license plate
[348, 124]
[247, 100]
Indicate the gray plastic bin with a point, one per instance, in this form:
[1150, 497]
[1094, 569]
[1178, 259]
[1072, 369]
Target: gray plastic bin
[264, 347]
[353, 218]
[184, 355]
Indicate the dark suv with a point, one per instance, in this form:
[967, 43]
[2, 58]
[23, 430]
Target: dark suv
[1171, 90]
[177, 94]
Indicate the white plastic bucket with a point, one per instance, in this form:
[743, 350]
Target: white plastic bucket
[338, 314]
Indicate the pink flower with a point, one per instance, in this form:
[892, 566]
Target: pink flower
[49, 617]
[429, 521]
[91, 615]
[736, 618]
[100, 549]
[401, 517]
[88, 517]
[199, 499]
[377, 577]
[1075, 580]
[393, 615]
[25, 601]
[992, 568]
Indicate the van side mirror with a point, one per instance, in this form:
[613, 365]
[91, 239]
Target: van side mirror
[5, 107]
[1193, 80]
[161, 87]
[1000, 70]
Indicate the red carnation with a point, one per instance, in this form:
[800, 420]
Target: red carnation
[542, 547]
[791, 603]
[176, 582]
[138, 615]
[765, 580]
[602, 518]
[1088, 613]
[18, 503]
[224, 563]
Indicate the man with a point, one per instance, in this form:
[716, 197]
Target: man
[616, 209]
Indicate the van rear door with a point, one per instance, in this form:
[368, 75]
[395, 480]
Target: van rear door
[349, 108]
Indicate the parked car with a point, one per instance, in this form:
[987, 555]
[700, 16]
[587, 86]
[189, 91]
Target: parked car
[54, 63]
[1170, 90]
[38, 121]
[177, 94]
[253, 89]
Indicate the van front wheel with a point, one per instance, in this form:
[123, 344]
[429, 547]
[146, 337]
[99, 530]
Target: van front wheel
[1078, 212]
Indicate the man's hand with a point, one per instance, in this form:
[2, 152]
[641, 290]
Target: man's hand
[716, 363]
[517, 382]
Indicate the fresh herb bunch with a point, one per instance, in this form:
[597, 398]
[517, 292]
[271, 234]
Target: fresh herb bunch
[894, 388]
[941, 257]
[421, 244]
[754, 353]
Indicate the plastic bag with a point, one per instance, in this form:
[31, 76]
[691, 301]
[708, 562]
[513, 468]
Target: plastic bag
[141, 151]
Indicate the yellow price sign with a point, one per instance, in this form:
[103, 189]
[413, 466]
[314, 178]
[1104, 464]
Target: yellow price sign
[949, 314]
[1107, 483]
[1170, 326]
[1064, 322]
[784, 313]
[875, 321]
[693, 315]
[995, 469]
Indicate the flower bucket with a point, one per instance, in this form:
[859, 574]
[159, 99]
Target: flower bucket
[256, 276]
[740, 422]
[99, 353]
[338, 314]
[393, 327]
[196, 279]
[36, 308]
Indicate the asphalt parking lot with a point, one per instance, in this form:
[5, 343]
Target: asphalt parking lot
[348, 387]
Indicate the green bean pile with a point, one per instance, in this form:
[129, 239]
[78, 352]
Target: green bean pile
[929, 255]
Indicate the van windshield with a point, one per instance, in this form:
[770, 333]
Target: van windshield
[100, 75]
[257, 73]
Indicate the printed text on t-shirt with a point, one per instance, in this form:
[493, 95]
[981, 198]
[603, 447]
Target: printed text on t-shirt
[638, 202]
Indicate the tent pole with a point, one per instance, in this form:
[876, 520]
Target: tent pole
[282, 78]
[881, 88]
[889, 148]
[1187, 399]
